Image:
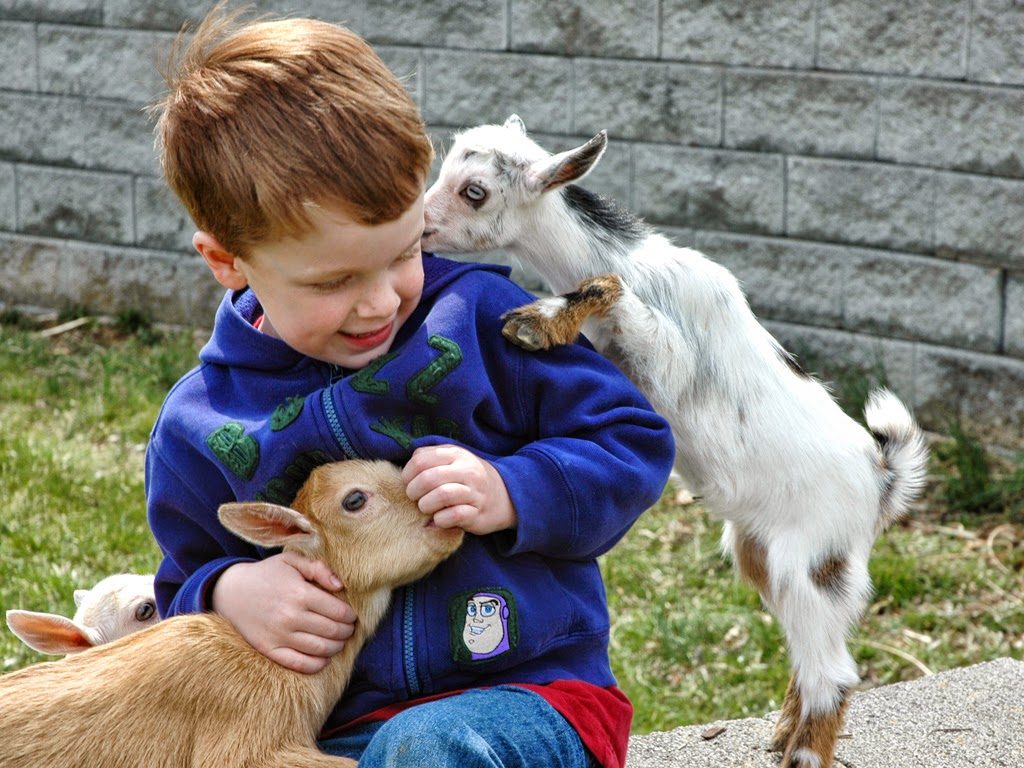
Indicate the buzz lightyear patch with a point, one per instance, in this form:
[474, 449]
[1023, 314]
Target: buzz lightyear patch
[483, 624]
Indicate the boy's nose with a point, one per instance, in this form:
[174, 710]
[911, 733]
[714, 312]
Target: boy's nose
[380, 300]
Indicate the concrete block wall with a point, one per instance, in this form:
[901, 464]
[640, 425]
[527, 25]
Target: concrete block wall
[858, 163]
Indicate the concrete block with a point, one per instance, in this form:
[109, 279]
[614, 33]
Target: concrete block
[76, 204]
[66, 11]
[986, 392]
[860, 203]
[112, 64]
[648, 101]
[99, 135]
[31, 271]
[160, 220]
[463, 88]
[111, 280]
[866, 291]
[405, 63]
[771, 34]
[171, 14]
[1013, 321]
[18, 56]
[477, 24]
[967, 716]
[8, 197]
[927, 299]
[801, 283]
[709, 189]
[107, 279]
[829, 353]
[800, 113]
[969, 128]
[980, 218]
[586, 27]
[996, 55]
[912, 37]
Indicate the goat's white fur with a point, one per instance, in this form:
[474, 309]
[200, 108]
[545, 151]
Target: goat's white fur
[116, 606]
[768, 449]
[189, 692]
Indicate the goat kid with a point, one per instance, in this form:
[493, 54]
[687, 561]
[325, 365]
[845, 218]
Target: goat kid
[190, 692]
[803, 489]
[116, 606]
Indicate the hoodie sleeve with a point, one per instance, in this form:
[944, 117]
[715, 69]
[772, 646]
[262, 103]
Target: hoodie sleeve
[196, 548]
[601, 457]
[593, 455]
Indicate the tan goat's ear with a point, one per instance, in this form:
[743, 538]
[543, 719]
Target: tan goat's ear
[566, 167]
[266, 524]
[48, 632]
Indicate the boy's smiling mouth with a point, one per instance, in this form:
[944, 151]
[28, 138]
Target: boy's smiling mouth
[369, 339]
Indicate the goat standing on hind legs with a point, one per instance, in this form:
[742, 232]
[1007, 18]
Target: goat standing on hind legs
[804, 490]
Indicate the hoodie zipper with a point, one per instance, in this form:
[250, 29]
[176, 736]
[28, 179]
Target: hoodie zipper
[412, 680]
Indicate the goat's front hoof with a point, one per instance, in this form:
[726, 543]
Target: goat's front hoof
[522, 329]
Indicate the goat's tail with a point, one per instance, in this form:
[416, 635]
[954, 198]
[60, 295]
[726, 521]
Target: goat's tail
[903, 455]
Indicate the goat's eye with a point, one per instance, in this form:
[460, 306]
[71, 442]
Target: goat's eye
[354, 501]
[474, 193]
[145, 611]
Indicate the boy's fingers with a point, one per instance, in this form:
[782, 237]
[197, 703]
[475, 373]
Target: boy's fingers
[444, 496]
[291, 659]
[427, 457]
[313, 571]
[315, 646]
[333, 610]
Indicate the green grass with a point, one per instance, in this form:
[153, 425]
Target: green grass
[690, 643]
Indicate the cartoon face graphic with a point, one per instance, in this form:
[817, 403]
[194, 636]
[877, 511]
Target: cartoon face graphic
[486, 629]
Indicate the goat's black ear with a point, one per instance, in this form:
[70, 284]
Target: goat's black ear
[515, 123]
[567, 167]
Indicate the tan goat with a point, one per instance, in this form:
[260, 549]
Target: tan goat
[190, 692]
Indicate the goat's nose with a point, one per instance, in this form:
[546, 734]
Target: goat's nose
[429, 232]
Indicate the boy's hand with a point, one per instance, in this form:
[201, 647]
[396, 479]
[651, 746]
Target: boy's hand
[459, 489]
[282, 608]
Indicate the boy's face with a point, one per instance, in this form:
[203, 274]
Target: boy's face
[341, 292]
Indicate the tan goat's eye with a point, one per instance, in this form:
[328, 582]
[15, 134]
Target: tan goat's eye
[474, 193]
[145, 611]
[354, 501]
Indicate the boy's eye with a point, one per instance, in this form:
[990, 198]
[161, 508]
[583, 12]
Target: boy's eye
[330, 285]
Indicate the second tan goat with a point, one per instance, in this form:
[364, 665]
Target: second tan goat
[190, 691]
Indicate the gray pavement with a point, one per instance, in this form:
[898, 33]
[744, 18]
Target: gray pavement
[973, 716]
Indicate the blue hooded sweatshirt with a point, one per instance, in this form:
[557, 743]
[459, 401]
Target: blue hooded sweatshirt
[580, 450]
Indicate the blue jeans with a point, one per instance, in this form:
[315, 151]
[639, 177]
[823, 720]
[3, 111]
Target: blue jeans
[502, 727]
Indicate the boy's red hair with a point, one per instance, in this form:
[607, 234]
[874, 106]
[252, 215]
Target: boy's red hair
[263, 119]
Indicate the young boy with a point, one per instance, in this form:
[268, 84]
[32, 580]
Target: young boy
[303, 161]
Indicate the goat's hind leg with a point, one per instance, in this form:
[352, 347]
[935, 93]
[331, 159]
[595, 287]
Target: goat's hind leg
[557, 320]
[818, 608]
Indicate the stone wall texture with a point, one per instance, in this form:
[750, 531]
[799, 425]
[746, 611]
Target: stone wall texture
[859, 164]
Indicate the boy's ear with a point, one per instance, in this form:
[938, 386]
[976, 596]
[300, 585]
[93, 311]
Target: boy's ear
[49, 633]
[268, 525]
[220, 261]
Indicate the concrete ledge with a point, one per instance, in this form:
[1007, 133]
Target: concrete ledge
[973, 716]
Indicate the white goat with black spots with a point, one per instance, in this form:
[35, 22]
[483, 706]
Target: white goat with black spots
[804, 489]
[117, 606]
